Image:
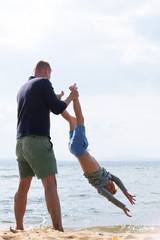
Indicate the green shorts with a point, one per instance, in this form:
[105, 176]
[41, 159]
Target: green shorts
[35, 156]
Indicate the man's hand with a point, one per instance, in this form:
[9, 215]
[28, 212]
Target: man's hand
[130, 198]
[74, 94]
[60, 95]
[126, 210]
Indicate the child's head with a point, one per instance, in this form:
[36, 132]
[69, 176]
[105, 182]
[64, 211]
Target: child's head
[111, 187]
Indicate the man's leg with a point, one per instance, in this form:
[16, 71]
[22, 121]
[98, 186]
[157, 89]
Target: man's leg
[52, 201]
[20, 201]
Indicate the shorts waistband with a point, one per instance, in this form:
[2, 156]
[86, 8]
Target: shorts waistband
[34, 136]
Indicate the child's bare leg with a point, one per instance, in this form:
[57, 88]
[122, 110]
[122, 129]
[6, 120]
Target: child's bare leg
[77, 109]
[87, 162]
[78, 112]
[71, 120]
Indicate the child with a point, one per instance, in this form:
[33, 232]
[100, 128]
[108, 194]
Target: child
[96, 175]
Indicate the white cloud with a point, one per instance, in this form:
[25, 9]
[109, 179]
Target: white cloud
[25, 24]
[141, 51]
[119, 34]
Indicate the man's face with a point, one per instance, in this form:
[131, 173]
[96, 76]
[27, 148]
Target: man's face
[111, 187]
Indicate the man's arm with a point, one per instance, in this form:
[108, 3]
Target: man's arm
[72, 96]
[53, 101]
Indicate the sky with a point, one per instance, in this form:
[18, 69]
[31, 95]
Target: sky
[111, 49]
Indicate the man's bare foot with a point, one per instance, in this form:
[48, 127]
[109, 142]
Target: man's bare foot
[15, 230]
[73, 87]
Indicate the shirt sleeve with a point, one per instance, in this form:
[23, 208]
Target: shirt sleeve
[118, 183]
[102, 191]
[55, 105]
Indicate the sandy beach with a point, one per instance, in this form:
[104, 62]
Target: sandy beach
[49, 234]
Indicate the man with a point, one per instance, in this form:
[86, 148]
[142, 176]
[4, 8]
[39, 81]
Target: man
[97, 176]
[34, 150]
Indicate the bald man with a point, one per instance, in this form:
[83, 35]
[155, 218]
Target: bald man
[34, 149]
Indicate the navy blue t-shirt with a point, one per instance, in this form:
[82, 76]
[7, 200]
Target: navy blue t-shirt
[36, 98]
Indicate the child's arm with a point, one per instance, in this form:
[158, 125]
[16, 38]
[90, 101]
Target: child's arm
[114, 200]
[102, 191]
[123, 189]
[126, 210]
[118, 183]
[130, 197]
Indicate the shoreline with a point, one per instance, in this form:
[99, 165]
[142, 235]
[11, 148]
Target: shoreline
[49, 233]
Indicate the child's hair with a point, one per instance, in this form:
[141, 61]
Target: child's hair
[115, 191]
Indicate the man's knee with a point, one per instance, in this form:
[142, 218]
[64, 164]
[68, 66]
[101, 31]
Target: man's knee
[49, 181]
[24, 184]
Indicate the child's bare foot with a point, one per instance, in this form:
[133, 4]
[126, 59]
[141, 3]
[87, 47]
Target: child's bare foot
[73, 87]
[59, 96]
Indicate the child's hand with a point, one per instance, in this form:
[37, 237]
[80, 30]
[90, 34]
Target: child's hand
[130, 198]
[126, 210]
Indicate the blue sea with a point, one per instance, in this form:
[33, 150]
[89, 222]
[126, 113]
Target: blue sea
[82, 207]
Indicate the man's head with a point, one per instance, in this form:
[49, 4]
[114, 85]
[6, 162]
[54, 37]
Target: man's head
[42, 69]
[111, 187]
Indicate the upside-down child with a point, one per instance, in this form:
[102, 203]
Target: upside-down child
[97, 176]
